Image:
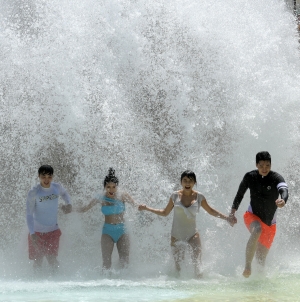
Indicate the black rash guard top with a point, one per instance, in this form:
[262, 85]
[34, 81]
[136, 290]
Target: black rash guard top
[264, 190]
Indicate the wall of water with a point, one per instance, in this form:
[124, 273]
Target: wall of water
[150, 88]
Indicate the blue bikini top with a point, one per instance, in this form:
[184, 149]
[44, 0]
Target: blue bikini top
[116, 208]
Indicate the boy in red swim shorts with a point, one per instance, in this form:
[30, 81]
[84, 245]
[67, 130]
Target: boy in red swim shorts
[260, 219]
[41, 210]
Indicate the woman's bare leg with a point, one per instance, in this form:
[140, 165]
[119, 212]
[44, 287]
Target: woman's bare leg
[123, 246]
[178, 253]
[195, 244]
[107, 246]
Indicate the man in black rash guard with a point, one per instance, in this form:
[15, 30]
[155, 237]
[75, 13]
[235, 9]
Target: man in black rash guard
[260, 218]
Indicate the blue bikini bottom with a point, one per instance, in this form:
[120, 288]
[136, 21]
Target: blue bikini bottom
[115, 231]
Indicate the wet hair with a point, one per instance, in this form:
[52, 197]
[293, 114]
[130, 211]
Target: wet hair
[190, 174]
[45, 169]
[110, 177]
[263, 155]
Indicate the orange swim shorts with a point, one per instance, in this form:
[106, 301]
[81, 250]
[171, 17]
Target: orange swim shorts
[268, 232]
[47, 244]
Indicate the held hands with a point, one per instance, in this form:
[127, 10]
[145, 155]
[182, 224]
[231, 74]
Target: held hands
[66, 208]
[35, 239]
[280, 203]
[231, 219]
[142, 207]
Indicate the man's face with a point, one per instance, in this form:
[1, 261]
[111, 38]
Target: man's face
[45, 180]
[264, 167]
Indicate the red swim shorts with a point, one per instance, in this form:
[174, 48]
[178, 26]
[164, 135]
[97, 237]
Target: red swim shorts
[268, 232]
[47, 244]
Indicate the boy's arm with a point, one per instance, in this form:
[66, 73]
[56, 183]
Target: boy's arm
[67, 208]
[30, 205]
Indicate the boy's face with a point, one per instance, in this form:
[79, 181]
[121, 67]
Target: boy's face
[264, 167]
[45, 180]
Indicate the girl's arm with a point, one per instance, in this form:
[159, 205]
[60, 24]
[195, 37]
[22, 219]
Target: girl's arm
[161, 212]
[127, 198]
[87, 207]
[212, 211]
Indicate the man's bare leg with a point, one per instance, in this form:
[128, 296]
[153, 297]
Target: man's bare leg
[261, 254]
[255, 230]
[37, 264]
[53, 262]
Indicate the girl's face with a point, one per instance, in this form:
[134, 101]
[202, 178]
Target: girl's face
[45, 180]
[187, 183]
[110, 189]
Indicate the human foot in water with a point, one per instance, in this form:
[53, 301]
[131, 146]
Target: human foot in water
[247, 272]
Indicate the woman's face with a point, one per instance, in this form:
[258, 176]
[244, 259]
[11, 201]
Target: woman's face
[110, 189]
[187, 183]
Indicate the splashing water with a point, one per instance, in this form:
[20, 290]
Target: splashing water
[150, 88]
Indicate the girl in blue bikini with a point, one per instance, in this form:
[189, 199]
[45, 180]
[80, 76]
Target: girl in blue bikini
[114, 230]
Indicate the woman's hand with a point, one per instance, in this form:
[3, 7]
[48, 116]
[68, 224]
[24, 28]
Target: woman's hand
[142, 207]
[231, 219]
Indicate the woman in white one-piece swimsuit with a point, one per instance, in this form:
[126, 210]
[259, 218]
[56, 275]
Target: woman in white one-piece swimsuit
[186, 203]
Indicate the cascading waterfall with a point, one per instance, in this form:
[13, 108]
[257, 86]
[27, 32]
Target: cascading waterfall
[150, 88]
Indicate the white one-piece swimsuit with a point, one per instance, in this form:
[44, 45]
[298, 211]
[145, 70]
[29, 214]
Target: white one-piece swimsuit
[184, 219]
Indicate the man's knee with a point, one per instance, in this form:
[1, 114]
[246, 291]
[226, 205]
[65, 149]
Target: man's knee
[255, 228]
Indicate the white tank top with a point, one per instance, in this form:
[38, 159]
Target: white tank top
[184, 219]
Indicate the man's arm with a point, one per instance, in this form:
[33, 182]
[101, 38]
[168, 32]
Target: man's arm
[237, 200]
[284, 193]
[30, 205]
[240, 193]
[67, 208]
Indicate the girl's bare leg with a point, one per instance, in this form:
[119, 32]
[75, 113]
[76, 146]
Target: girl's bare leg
[195, 244]
[178, 253]
[123, 246]
[107, 245]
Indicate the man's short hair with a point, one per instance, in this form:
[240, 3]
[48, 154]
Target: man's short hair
[45, 169]
[263, 155]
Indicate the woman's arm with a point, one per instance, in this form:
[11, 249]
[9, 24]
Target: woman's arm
[212, 211]
[161, 212]
[127, 198]
[87, 207]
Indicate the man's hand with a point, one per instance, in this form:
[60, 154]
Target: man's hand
[67, 208]
[280, 203]
[232, 219]
[35, 239]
